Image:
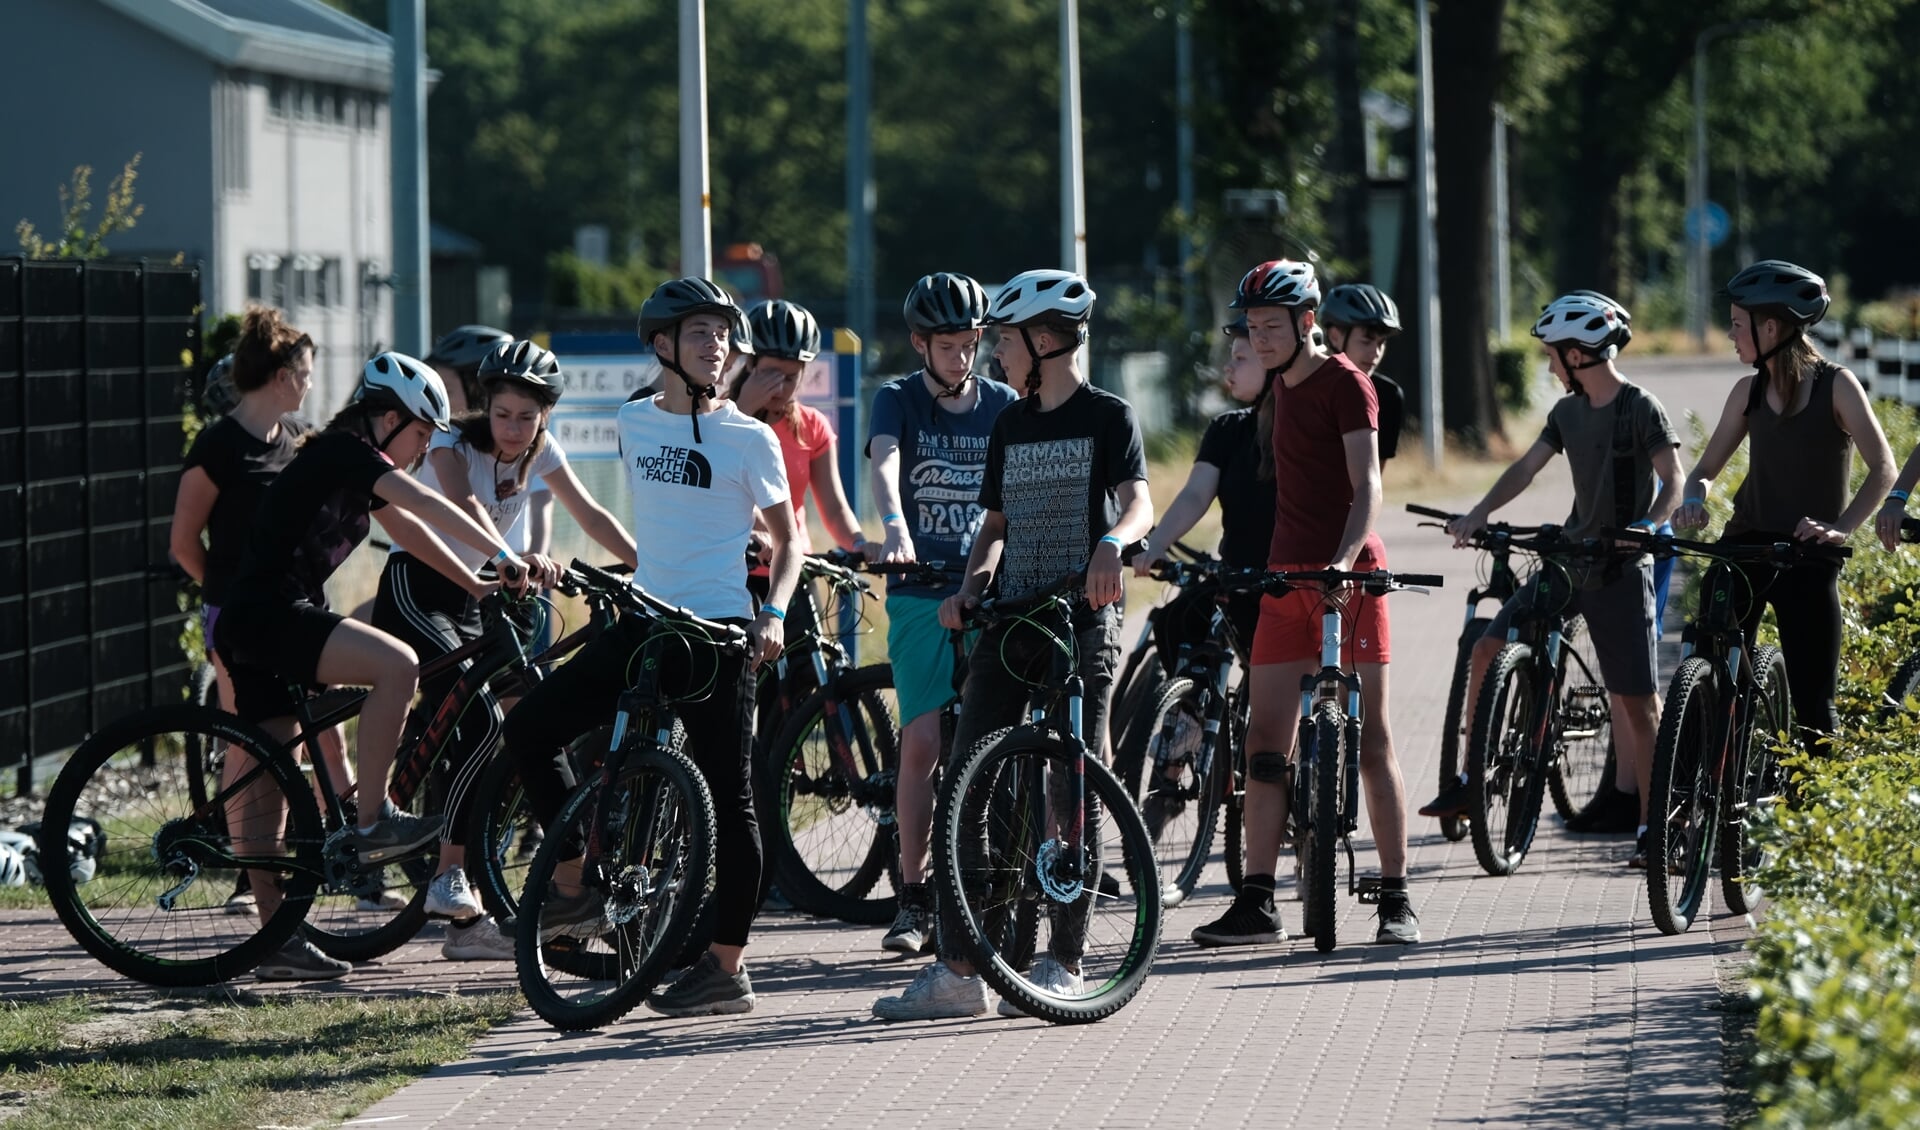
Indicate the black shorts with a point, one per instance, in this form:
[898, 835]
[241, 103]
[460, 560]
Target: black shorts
[270, 648]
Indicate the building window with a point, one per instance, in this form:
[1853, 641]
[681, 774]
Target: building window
[331, 292]
[279, 95]
[267, 279]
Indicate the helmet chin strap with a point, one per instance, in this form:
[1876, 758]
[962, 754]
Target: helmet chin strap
[1033, 378]
[1299, 343]
[1762, 376]
[1570, 368]
[947, 391]
[695, 389]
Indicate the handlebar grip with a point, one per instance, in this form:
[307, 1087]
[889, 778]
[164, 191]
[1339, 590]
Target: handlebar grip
[1428, 580]
[1430, 512]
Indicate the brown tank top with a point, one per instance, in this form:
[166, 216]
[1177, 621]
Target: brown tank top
[1797, 465]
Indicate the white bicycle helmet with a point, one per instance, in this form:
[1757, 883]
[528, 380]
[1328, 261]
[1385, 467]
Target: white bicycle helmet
[13, 863]
[408, 385]
[1032, 295]
[1587, 319]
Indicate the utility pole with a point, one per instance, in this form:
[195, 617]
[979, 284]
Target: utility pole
[1073, 193]
[860, 190]
[1183, 160]
[1432, 414]
[1700, 247]
[696, 201]
[1502, 232]
[407, 28]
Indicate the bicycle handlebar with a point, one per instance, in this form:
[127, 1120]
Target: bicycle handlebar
[727, 637]
[1781, 554]
[1001, 608]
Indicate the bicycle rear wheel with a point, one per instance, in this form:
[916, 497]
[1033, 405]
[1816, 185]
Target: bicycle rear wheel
[1754, 781]
[1181, 809]
[154, 908]
[1453, 732]
[362, 912]
[502, 834]
[1504, 761]
[1683, 810]
[658, 854]
[1583, 760]
[998, 861]
[826, 783]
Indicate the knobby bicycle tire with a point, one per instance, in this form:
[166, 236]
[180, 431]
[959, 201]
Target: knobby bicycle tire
[1132, 700]
[989, 877]
[659, 851]
[1903, 688]
[1583, 757]
[502, 834]
[1683, 808]
[1324, 763]
[1233, 791]
[830, 839]
[1505, 764]
[1181, 810]
[151, 834]
[1753, 781]
[1452, 733]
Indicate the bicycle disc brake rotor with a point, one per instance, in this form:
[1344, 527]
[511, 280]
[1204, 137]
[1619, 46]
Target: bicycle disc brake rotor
[629, 895]
[1047, 867]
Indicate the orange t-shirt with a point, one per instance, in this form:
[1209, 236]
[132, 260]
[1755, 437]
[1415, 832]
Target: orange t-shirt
[801, 441]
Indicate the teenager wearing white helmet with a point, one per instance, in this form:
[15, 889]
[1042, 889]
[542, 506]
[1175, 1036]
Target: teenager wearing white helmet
[1805, 417]
[927, 438]
[1320, 415]
[486, 466]
[1064, 488]
[276, 627]
[1625, 459]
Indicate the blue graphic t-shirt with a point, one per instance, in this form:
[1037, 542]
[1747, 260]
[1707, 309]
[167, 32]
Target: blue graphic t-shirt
[943, 459]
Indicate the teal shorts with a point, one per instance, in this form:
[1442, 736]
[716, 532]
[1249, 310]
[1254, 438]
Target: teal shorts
[921, 654]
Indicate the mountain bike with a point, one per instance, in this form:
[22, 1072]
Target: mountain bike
[1541, 702]
[1323, 790]
[642, 824]
[156, 912]
[1025, 826]
[1904, 687]
[1714, 760]
[1184, 759]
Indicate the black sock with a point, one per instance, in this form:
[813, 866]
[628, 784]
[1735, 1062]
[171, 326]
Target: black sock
[1257, 890]
[1399, 884]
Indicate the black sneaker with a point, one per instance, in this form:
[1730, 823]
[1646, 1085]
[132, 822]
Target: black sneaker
[1610, 812]
[1638, 860]
[1244, 924]
[1452, 801]
[912, 931]
[1399, 925]
[299, 960]
[705, 990]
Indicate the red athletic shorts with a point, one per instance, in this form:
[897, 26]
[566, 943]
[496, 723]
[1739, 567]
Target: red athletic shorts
[1289, 629]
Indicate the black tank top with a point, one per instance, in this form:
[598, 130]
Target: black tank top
[1797, 465]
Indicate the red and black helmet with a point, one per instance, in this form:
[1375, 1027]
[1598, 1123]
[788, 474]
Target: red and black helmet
[1278, 282]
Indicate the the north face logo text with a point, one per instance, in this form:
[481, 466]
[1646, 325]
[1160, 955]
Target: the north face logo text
[681, 465]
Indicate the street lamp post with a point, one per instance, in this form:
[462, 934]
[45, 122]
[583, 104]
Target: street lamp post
[406, 23]
[1073, 193]
[860, 193]
[1431, 412]
[1700, 251]
[696, 227]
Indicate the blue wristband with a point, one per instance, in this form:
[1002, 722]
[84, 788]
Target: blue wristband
[1112, 541]
[773, 612]
[1899, 494]
[1693, 502]
[1644, 523]
[500, 556]
[885, 518]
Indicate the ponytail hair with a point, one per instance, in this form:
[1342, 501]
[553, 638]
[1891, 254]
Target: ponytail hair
[1797, 356]
[267, 344]
[1263, 418]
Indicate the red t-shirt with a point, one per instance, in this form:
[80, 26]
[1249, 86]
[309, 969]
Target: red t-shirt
[1313, 495]
[800, 444]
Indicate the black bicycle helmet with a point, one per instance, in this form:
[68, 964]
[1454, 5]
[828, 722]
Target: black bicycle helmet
[1236, 328]
[1775, 282]
[783, 329]
[463, 349]
[535, 370]
[673, 302]
[945, 303]
[1359, 304]
[219, 395]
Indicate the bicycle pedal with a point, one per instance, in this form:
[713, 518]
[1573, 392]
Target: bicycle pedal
[1368, 889]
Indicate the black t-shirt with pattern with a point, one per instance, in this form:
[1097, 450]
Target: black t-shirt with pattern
[311, 517]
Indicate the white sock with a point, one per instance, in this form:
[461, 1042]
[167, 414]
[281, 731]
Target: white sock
[1643, 830]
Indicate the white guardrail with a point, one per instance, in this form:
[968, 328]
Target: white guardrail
[1888, 367]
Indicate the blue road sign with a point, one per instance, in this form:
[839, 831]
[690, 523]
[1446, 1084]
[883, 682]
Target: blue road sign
[1716, 223]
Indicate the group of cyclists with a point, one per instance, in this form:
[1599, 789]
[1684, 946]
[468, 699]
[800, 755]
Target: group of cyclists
[1015, 479]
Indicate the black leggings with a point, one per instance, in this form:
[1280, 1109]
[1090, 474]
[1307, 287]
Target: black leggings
[435, 616]
[583, 694]
[1806, 607]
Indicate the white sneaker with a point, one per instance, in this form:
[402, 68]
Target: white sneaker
[1048, 976]
[451, 896]
[938, 993]
[482, 940]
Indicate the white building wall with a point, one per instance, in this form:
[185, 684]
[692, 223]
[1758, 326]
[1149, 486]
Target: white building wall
[304, 218]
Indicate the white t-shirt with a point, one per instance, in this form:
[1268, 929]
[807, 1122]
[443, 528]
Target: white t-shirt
[693, 503]
[487, 478]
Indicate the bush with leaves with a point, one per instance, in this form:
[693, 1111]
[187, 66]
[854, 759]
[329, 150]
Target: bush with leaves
[77, 239]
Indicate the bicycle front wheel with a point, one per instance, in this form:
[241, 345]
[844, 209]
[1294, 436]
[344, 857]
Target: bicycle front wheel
[657, 855]
[1453, 732]
[1754, 781]
[1683, 809]
[1504, 775]
[1322, 755]
[827, 787]
[1002, 864]
[1583, 757]
[150, 901]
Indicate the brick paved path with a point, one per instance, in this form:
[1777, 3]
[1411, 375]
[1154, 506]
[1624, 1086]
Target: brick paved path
[1546, 998]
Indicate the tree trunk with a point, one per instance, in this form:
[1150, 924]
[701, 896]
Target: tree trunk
[1467, 63]
[1352, 242]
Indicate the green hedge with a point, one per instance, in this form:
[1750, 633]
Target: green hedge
[1836, 952]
